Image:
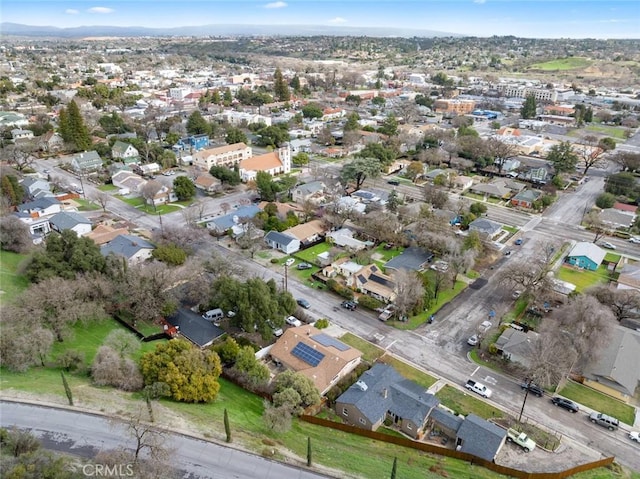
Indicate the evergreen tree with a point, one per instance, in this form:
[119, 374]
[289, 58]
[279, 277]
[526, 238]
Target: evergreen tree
[352, 122]
[394, 469]
[295, 84]
[227, 427]
[64, 128]
[197, 125]
[227, 97]
[529, 108]
[308, 451]
[78, 130]
[67, 389]
[280, 87]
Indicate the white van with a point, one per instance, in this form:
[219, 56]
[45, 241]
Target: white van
[214, 315]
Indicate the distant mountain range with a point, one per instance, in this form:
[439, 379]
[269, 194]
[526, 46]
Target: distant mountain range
[16, 29]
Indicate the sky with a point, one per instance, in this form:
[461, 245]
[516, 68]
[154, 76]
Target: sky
[523, 18]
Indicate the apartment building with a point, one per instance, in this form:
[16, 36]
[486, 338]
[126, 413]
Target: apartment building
[519, 91]
[227, 155]
[457, 106]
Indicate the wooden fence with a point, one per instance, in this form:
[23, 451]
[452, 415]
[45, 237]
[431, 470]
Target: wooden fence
[432, 448]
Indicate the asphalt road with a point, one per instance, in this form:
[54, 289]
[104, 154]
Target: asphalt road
[85, 435]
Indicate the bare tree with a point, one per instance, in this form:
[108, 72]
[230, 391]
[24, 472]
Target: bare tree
[122, 342]
[109, 368]
[14, 235]
[624, 303]
[590, 152]
[225, 207]
[434, 195]
[22, 345]
[500, 151]
[19, 156]
[147, 440]
[409, 291]
[553, 356]
[460, 261]
[588, 324]
[102, 199]
[149, 191]
[531, 276]
[593, 222]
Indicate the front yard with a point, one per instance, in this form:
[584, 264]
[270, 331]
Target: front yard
[598, 401]
[582, 278]
[466, 403]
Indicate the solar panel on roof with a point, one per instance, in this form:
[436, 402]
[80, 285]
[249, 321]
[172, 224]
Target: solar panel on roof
[306, 353]
[327, 341]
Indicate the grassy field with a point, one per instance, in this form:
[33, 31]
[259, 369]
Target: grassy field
[583, 279]
[370, 352]
[310, 255]
[11, 282]
[561, 64]
[464, 403]
[615, 132]
[598, 401]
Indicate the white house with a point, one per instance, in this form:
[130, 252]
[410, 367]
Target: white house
[282, 242]
[133, 248]
[275, 163]
[69, 220]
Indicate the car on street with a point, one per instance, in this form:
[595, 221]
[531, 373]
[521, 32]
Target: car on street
[473, 340]
[607, 245]
[293, 321]
[634, 436]
[603, 420]
[518, 242]
[507, 253]
[516, 294]
[289, 262]
[350, 305]
[565, 404]
[303, 303]
[533, 388]
[393, 182]
[304, 266]
[634, 240]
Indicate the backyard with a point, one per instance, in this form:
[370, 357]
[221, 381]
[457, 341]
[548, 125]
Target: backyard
[582, 278]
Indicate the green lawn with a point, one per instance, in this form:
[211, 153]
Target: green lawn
[388, 254]
[583, 279]
[570, 63]
[87, 205]
[466, 403]
[370, 352]
[406, 370]
[612, 257]
[615, 132]
[510, 229]
[598, 401]
[11, 282]
[310, 255]
[108, 188]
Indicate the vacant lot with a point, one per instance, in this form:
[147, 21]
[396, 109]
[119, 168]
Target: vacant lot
[571, 63]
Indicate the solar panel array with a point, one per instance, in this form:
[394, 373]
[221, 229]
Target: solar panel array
[327, 341]
[309, 355]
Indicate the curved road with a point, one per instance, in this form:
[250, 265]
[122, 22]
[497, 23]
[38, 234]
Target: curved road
[85, 435]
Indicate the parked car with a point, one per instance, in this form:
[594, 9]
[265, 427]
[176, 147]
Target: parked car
[350, 305]
[303, 303]
[521, 439]
[278, 332]
[473, 340]
[485, 326]
[606, 244]
[634, 436]
[289, 262]
[293, 321]
[516, 294]
[634, 240]
[393, 182]
[533, 388]
[478, 388]
[565, 404]
[507, 253]
[518, 242]
[304, 266]
[603, 420]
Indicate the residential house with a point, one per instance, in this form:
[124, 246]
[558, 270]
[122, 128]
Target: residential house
[312, 191]
[192, 143]
[164, 195]
[349, 204]
[615, 372]
[283, 209]
[50, 142]
[125, 152]
[149, 169]
[502, 188]
[36, 187]
[539, 176]
[19, 134]
[134, 248]
[102, 234]
[227, 156]
[344, 238]
[526, 198]
[518, 346]
[435, 173]
[282, 242]
[275, 163]
[586, 255]
[318, 356]
[479, 437]
[380, 394]
[308, 233]
[38, 226]
[485, 227]
[625, 207]
[70, 221]
[372, 281]
[462, 182]
[128, 182]
[208, 183]
[194, 327]
[300, 145]
[411, 259]
[617, 219]
[86, 162]
[44, 206]
[224, 223]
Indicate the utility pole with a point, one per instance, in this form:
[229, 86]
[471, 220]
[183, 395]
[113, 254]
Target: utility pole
[286, 272]
[526, 393]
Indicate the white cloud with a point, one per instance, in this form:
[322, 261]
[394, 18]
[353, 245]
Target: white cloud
[480, 2]
[71, 11]
[101, 10]
[275, 5]
[337, 21]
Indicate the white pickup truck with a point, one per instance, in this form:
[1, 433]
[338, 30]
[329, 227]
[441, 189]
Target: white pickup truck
[478, 388]
[521, 439]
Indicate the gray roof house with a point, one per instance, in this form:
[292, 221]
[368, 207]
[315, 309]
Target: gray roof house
[412, 259]
[616, 371]
[226, 222]
[381, 393]
[35, 187]
[283, 242]
[69, 220]
[134, 248]
[86, 161]
[312, 191]
[41, 207]
[194, 327]
[517, 346]
[616, 218]
[485, 227]
[480, 438]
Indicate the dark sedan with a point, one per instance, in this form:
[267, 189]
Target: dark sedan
[565, 404]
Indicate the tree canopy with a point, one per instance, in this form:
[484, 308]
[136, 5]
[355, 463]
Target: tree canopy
[235, 135]
[529, 108]
[359, 170]
[197, 125]
[312, 110]
[190, 373]
[563, 158]
[225, 175]
[184, 188]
